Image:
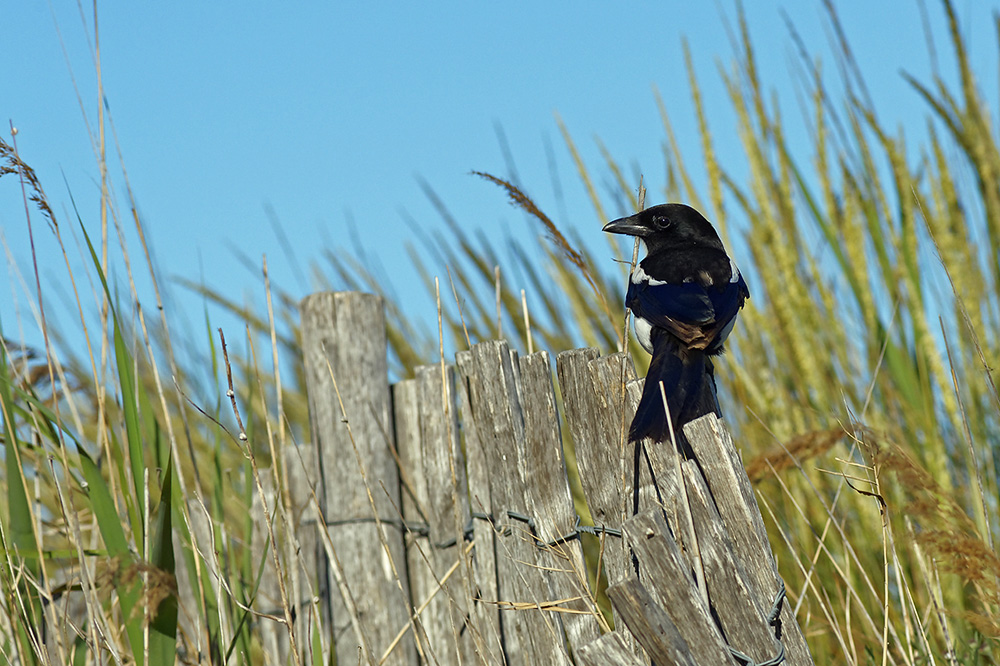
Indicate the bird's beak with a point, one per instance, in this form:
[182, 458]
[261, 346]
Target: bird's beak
[629, 226]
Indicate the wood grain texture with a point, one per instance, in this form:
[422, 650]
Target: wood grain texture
[443, 469]
[650, 624]
[734, 498]
[531, 636]
[550, 500]
[420, 569]
[480, 448]
[663, 571]
[344, 351]
[576, 389]
[609, 650]
[485, 618]
[739, 611]
[591, 389]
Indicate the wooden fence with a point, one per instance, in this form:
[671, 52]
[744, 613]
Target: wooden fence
[438, 516]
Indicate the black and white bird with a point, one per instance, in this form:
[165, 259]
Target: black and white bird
[684, 295]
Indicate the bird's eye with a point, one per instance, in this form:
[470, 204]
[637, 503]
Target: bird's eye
[661, 221]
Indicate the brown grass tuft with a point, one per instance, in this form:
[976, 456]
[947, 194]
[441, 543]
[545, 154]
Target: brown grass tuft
[12, 163]
[948, 535]
[800, 448]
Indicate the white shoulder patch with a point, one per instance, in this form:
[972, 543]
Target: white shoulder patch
[640, 276]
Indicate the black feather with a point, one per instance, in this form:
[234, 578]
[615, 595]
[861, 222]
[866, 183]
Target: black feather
[685, 296]
[689, 386]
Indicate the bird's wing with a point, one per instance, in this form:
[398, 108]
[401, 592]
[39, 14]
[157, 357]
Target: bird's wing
[662, 302]
[692, 312]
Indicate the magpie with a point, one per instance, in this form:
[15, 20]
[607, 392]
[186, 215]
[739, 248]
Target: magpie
[684, 296]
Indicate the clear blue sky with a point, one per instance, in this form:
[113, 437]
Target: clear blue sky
[328, 112]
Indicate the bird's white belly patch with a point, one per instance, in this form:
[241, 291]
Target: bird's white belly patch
[643, 332]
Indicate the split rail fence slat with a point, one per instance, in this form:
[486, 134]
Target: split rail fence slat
[436, 514]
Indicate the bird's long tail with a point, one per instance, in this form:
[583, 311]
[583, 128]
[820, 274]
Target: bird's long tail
[689, 384]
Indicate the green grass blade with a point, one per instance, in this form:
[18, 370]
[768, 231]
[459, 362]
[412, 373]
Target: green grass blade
[116, 543]
[130, 409]
[126, 376]
[103, 506]
[163, 585]
[20, 523]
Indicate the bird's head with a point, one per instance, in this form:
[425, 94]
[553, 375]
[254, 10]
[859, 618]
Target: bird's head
[666, 225]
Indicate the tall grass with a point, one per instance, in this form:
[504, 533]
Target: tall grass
[859, 385]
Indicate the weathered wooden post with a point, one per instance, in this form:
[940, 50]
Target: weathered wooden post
[698, 578]
[592, 392]
[432, 465]
[362, 556]
[496, 573]
[514, 410]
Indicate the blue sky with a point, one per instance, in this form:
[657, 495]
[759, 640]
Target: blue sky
[332, 112]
